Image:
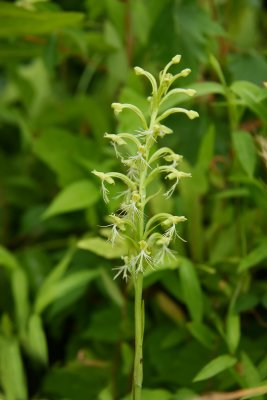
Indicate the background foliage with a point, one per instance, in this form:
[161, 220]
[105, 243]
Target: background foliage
[66, 328]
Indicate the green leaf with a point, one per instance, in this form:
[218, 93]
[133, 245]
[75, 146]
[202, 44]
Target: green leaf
[184, 394]
[11, 370]
[7, 259]
[127, 358]
[206, 150]
[202, 333]
[111, 288]
[63, 288]
[262, 367]
[59, 270]
[16, 21]
[217, 68]
[77, 196]
[102, 247]
[214, 367]
[246, 151]
[20, 294]
[252, 96]
[153, 394]
[233, 331]
[255, 257]
[191, 290]
[250, 374]
[201, 88]
[206, 88]
[37, 76]
[36, 340]
[75, 381]
[63, 160]
[232, 193]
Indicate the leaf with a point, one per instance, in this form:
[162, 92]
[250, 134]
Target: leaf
[63, 159]
[202, 333]
[112, 288]
[153, 394]
[102, 247]
[206, 150]
[7, 259]
[75, 382]
[20, 294]
[37, 343]
[58, 271]
[246, 151]
[249, 66]
[63, 288]
[217, 68]
[232, 193]
[36, 75]
[191, 290]
[214, 367]
[77, 196]
[252, 96]
[255, 257]
[184, 394]
[233, 331]
[11, 370]
[201, 88]
[16, 21]
[250, 374]
[105, 394]
[127, 358]
[206, 88]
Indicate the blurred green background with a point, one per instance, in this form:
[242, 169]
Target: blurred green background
[66, 327]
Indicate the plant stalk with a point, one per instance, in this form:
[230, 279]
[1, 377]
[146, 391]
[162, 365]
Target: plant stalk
[139, 333]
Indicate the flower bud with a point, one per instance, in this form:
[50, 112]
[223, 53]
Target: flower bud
[173, 220]
[176, 59]
[115, 138]
[191, 92]
[173, 157]
[177, 175]
[139, 71]
[104, 177]
[192, 114]
[185, 72]
[117, 108]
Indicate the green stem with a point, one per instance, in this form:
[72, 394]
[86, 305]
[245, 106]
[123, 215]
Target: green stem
[139, 309]
[139, 332]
